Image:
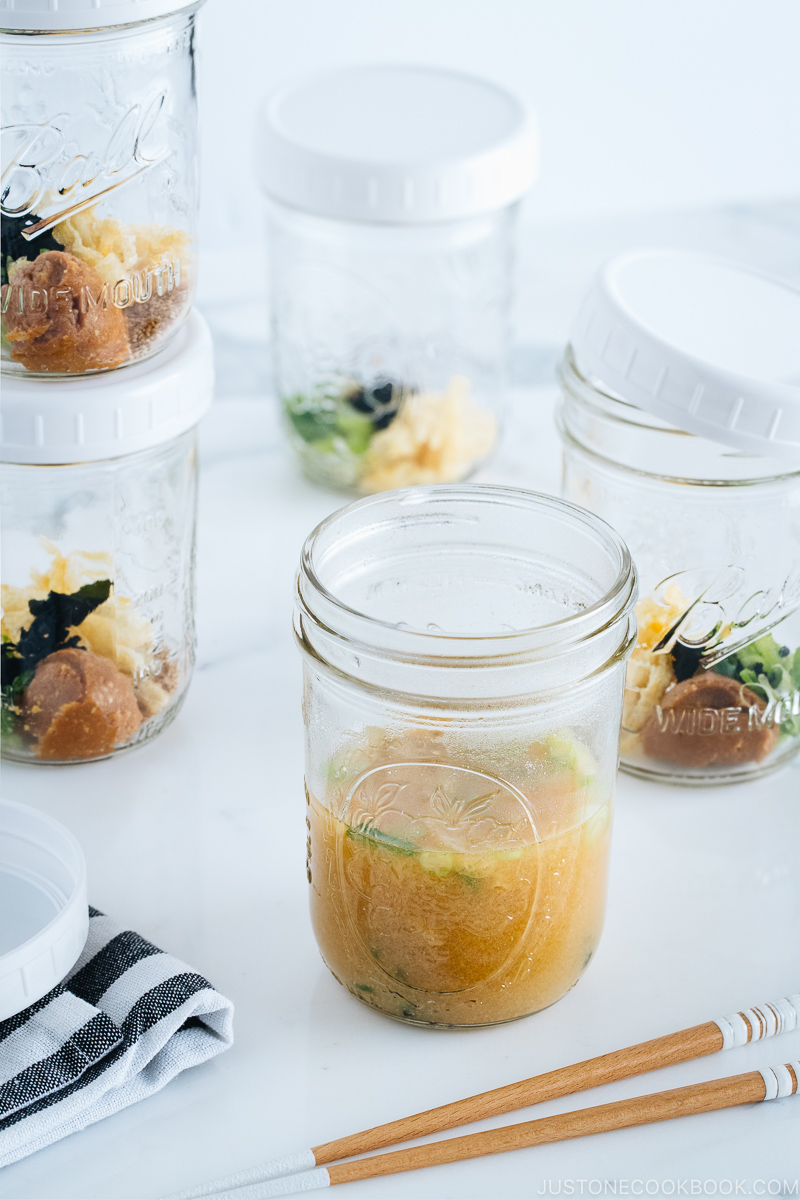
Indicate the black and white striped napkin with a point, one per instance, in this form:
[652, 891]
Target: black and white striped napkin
[124, 1022]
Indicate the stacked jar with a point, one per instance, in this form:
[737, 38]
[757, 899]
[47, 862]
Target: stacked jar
[392, 199]
[106, 369]
[681, 427]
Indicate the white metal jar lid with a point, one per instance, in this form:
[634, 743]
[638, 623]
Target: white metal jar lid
[710, 346]
[110, 413]
[399, 144]
[43, 901]
[54, 16]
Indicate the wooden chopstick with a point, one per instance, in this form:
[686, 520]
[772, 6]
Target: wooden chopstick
[735, 1030]
[621, 1114]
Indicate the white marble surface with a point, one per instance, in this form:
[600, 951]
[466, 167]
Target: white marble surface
[198, 842]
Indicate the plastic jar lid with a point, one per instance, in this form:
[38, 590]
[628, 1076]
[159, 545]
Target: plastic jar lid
[43, 901]
[398, 144]
[110, 413]
[710, 346]
[53, 16]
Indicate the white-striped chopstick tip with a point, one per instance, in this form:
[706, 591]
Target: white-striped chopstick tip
[761, 1021]
[783, 1080]
[276, 1168]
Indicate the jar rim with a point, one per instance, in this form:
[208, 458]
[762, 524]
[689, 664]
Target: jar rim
[425, 645]
[589, 390]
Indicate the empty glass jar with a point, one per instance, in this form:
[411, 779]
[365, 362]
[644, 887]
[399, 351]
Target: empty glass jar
[99, 183]
[99, 481]
[464, 654]
[392, 202]
[680, 421]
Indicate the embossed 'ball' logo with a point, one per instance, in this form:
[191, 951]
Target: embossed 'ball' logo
[439, 871]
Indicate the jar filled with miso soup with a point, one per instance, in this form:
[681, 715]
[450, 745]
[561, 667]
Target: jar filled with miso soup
[680, 421]
[464, 651]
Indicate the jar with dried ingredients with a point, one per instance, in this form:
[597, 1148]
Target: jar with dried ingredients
[99, 184]
[681, 426]
[464, 653]
[98, 522]
[392, 201]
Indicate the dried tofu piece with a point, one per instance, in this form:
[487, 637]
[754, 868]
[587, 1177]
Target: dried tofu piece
[648, 676]
[437, 437]
[656, 617]
[115, 250]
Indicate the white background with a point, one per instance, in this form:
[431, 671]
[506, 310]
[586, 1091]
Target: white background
[642, 104]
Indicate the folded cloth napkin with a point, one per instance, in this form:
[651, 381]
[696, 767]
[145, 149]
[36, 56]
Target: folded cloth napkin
[125, 1021]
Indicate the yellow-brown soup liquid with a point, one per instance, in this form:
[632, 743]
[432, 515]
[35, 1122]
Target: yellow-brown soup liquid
[435, 899]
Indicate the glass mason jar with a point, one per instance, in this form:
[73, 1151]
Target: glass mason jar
[98, 555]
[713, 686]
[99, 185]
[464, 654]
[391, 246]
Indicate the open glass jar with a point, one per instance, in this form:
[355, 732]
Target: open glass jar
[98, 495]
[680, 421]
[99, 184]
[393, 193]
[464, 654]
